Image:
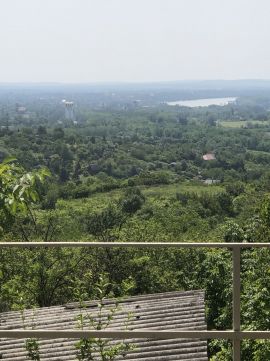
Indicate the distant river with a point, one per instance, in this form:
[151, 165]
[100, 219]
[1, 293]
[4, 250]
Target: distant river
[203, 102]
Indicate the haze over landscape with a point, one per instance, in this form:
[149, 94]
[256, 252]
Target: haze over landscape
[124, 123]
[74, 41]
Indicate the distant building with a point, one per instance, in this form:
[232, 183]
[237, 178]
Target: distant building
[209, 156]
[211, 181]
[20, 109]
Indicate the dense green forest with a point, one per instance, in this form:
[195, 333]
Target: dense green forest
[137, 173]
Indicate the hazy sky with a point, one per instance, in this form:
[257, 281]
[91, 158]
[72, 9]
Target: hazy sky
[133, 40]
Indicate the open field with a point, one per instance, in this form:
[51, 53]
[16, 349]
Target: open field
[258, 152]
[243, 123]
[101, 200]
[172, 189]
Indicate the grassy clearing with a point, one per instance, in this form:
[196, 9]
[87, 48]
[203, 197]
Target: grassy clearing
[258, 152]
[99, 201]
[251, 166]
[243, 123]
[171, 189]
[96, 201]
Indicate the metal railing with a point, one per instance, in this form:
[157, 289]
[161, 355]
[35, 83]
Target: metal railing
[236, 335]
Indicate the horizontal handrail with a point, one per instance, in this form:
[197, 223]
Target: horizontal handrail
[149, 334]
[134, 244]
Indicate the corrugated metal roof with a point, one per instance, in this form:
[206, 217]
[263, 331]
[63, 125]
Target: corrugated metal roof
[163, 311]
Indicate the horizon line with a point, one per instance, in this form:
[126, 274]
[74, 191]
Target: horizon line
[127, 82]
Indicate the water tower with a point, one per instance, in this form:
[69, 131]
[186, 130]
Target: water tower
[69, 110]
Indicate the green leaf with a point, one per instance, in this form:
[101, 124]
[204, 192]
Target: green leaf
[9, 160]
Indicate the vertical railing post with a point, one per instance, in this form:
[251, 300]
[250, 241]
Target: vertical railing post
[236, 301]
